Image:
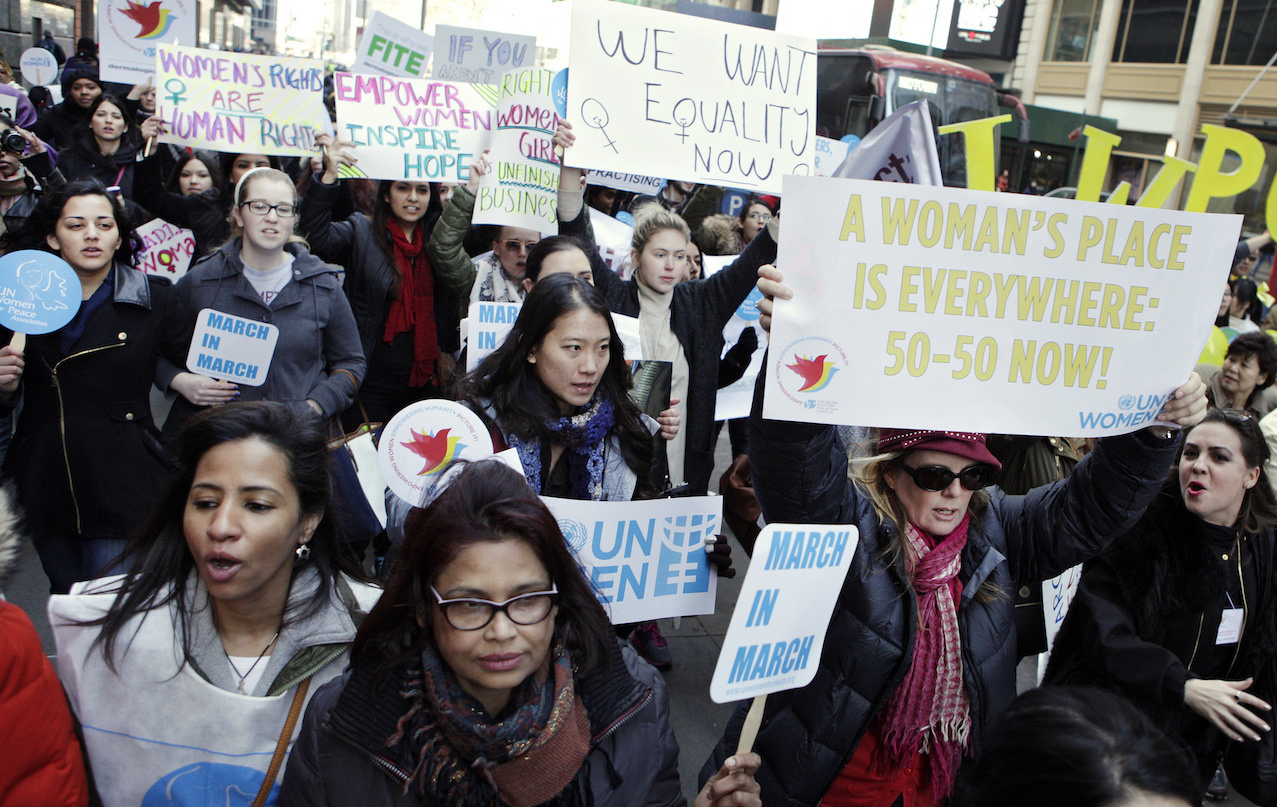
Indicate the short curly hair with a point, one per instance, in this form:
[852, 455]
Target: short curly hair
[1260, 345]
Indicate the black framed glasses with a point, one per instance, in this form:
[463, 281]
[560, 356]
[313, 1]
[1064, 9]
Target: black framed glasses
[465, 613]
[261, 208]
[936, 478]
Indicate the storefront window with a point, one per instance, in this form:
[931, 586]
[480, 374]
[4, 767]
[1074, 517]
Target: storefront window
[1073, 24]
[1247, 33]
[1155, 31]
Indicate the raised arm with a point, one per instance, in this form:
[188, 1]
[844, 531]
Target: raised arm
[329, 240]
[446, 246]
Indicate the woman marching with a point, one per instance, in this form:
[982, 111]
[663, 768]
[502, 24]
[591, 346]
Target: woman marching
[106, 147]
[488, 675]
[1178, 614]
[184, 671]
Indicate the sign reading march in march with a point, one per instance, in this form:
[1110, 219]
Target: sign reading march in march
[478, 56]
[231, 348]
[414, 129]
[646, 559]
[683, 97]
[1025, 314]
[489, 323]
[239, 102]
[774, 640]
[522, 189]
[393, 48]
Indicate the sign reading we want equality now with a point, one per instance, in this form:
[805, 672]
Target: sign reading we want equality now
[240, 102]
[682, 97]
[944, 308]
[414, 129]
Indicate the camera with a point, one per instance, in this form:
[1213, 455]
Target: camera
[12, 141]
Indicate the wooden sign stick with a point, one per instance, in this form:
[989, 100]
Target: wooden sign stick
[19, 342]
[749, 731]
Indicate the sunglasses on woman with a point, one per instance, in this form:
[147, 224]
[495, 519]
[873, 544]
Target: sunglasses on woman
[935, 478]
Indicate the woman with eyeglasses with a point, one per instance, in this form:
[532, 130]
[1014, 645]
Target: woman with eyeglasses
[920, 656]
[488, 675]
[263, 274]
[1179, 613]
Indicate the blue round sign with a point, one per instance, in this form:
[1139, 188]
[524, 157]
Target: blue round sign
[559, 92]
[39, 292]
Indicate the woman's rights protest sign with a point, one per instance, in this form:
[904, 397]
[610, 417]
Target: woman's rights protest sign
[944, 308]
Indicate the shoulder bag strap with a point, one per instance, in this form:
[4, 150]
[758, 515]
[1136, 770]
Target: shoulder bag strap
[280, 747]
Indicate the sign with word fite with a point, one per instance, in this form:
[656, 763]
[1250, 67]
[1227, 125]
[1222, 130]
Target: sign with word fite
[522, 188]
[1023, 314]
[489, 323]
[478, 56]
[685, 97]
[393, 48]
[166, 249]
[646, 559]
[39, 292]
[240, 102]
[232, 348]
[778, 628]
[636, 183]
[129, 31]
[414, 129]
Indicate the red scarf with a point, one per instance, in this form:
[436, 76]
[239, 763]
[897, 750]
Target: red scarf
[930, 710]
[413, 309]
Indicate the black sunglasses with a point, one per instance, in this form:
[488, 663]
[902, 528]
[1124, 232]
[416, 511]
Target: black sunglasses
[936, 478]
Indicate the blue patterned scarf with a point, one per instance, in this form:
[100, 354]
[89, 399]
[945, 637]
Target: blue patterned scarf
[583, 435]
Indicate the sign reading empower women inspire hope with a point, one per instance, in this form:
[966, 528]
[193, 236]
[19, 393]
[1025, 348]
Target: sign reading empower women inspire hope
[683, 97]
[944, 308]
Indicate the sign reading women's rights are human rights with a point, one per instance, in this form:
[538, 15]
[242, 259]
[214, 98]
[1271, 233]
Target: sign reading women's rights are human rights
[945, 308]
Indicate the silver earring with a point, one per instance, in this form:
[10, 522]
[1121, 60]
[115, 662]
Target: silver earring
[303, 552]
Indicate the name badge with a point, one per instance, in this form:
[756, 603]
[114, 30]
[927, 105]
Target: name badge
[1230, 626]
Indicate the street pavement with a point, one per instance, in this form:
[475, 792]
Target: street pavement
[695, 643]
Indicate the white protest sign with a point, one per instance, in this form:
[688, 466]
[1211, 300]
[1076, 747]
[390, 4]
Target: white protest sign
[38, 66]
[479, 56]
[735, 399]
[900, 149]
[231, 348]
[129, 31]
[414, 129]
[489, 323]
[646, 559]
[166, 249]
[774, 640]
[393, 48]
[636, 183]
[522, 187]
[829, 155]
[630, 331]
[422, 440]
[1057, 596]
[686, 97]
[239, 102]
[1024, 314]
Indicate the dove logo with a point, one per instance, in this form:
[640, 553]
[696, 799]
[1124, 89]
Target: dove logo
[153, 19]
[207, 783]
[436, 449]
[816, 373]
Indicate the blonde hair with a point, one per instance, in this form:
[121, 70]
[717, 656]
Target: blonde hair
[652, 219]
[241, 190]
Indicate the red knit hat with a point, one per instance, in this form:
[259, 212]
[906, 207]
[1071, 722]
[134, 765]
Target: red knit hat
[964, 444]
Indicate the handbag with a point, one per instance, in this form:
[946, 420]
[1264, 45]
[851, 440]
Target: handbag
[359, 489]
[277, 759]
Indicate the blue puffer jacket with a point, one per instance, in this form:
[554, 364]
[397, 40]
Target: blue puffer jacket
[800, 476]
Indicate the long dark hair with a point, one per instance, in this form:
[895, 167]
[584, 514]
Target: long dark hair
[43, 220]
[1259, 505]
[1245, 291]
[161, 564]
[522, 403]
[1063, 746]
[382, 221]
[130, 138]
[210, 162]
[486, 501]
[547, 247]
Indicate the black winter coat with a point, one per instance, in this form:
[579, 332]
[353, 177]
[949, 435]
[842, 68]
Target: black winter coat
[86, 455]
[800, 476]
[340, 758]
[370, 273]
[84, 161]
[698, 313]
[59, 124]
[205, 214]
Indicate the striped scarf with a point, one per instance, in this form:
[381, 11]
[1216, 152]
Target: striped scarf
[930, 710]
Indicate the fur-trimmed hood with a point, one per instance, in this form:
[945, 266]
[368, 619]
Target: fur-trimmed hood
[10, 531]
[724, 232]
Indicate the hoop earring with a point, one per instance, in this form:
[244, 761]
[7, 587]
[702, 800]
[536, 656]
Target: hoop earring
[303, 552]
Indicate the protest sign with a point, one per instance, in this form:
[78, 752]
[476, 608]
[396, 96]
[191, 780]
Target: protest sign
[422, 440]
[646, 559]
[900, 149]
[166, 249]
[522, 187]
[239, 102]
[232, 348]
[686, 97]
[735, 399]
[777, 630]
[479, 56]
[414, 129]
[1057, 596]
[830, 154]
[1023, 314]
[39, 292]
[488, 325]
[393, 48]
[129, 32]
[635, 183]
[38, 66]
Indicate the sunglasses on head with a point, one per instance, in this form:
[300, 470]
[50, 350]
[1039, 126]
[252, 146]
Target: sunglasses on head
[935, 478]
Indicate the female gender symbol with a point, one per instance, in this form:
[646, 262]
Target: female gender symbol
[596, 117]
